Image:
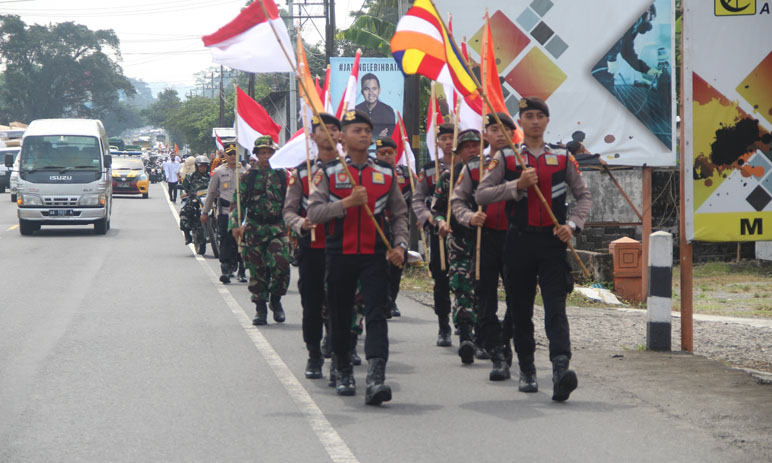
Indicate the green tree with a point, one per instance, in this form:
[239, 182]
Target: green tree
[59, 70]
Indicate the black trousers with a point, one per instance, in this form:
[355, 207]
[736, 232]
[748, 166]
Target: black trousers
[311, 269]
[441, 281]
[229, 253]
[172, 188]
[343, 272]
[530, 256]
[395, 276]
[491, 267]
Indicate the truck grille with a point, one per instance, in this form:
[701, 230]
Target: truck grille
[60, 201]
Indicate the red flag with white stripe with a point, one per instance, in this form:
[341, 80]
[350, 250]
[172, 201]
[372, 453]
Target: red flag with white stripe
[218, 142]
[349, 98]
[433, 120]
[253, 121]
[404, 153]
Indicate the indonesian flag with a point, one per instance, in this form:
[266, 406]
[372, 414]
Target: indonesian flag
[252, 121]
[248, 43]
[404, 153]
[349, 98]
[294, 151]
[432, 122]
[218, 142]
[470, 113]
[326, 99]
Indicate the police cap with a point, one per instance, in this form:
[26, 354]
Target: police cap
[445, 128]
[325, 118]
[532, 102]
[384, 142]
[505, 119]
[230, 148]
[356, 117]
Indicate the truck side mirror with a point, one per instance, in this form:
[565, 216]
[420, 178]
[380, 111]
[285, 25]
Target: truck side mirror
[108, 161]
[8, 160]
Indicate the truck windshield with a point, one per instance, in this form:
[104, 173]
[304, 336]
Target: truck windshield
[60, 152]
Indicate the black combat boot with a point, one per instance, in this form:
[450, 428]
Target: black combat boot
[563, 380]
[508, 353]
[377, 392]
[241, 274]
[261, 314]
[527, 381]
[355, 358]
[466, 349]
[225, 278]
[481, 353]
[344, 378]
[443, 337]
[314, 363]
[394, 310]
[326, 349]
[500, 370]
[188, 237]
[333, 370]
[277, 309]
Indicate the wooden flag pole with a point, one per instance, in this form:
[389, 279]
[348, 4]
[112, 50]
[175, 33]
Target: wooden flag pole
[432, 111]
[238, 167]
[515, 149]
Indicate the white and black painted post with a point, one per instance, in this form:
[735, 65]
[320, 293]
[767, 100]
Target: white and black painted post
[660, 294]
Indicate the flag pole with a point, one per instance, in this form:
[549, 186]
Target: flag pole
[432, 111]
[327, 132]
[483, 67]
[308, 154]
[410, 174]
[453, 159]
[519, 157]
[238, 166]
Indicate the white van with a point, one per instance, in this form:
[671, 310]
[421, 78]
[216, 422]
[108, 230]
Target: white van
[64, 175]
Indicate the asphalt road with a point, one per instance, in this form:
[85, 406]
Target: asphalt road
[125, 347]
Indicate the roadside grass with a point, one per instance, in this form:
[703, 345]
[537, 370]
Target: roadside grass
[732, 289]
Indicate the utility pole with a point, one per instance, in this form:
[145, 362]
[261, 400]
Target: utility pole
[329, 12]
[222, 100]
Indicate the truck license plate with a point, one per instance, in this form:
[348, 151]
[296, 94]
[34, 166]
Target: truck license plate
[60, 212]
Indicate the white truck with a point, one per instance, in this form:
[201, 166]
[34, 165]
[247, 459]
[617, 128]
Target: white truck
[64, 175]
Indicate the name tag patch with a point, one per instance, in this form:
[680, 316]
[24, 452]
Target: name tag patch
[378, 178]
[341, 181]
[551, 159]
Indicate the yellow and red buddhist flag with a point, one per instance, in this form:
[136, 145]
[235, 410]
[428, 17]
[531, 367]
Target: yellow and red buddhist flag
[421, 45]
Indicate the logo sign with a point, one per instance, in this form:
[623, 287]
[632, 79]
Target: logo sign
[735, 7]
[65, 178]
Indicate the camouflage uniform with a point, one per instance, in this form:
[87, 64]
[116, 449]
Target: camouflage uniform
[460, 246]
[189, 214]
[266, 244]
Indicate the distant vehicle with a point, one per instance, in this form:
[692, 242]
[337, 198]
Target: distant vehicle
[64, 175]
[132, 148]
[5, 172]
[160, 137]
[118, 142]
[129, 176]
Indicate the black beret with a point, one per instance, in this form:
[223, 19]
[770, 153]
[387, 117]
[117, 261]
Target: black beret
[445, 128]
[326, 118]
[505, 119]
[355, 117]
[533, 102]
[384, 142]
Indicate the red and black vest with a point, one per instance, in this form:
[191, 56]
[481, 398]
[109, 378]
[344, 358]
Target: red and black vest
[355, 233]
[495, 213]
[429, 172]
[403, 179]
[302, 173]
[551, 168]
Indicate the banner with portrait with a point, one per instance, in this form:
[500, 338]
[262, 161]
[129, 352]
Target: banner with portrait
[727, 60]
[604, 67]
[380, 86]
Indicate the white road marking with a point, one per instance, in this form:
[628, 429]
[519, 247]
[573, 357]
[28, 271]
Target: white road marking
[335, 446]
[13, 227]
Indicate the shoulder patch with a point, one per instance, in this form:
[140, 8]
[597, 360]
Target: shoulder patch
[421, 176]
[318, 177]
[293, 178]
[573, 161]
[460, 178]
[492, 165]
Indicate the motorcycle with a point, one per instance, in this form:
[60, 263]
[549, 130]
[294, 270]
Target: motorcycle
[202, 233]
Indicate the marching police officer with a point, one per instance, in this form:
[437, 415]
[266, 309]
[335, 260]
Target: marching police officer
[193, 183]
[494, 229]
[535, 248]
[310, 252]
[422, 199]
[222, 187]
[386, 150]
[355, 251]
[266, 245]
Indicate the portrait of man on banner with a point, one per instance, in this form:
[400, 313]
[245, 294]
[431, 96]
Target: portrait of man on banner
[380, 113]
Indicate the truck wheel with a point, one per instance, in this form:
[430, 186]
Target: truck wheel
[145, 195]
[27, 228]
[101, 226]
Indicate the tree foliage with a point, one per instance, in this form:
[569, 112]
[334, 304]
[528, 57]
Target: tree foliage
[59, 70]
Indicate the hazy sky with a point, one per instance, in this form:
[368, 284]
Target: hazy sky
[161, 40]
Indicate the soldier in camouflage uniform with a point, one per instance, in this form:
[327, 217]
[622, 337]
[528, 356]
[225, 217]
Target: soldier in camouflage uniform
[460, 244]
[265, 242]
[193, 183]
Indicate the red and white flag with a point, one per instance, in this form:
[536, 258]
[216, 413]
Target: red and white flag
[252, 121]
[248, 43]
[349, 98]
[326, 100]
[294, 151]
[218, 142]
[404, 152]
[434, 119]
